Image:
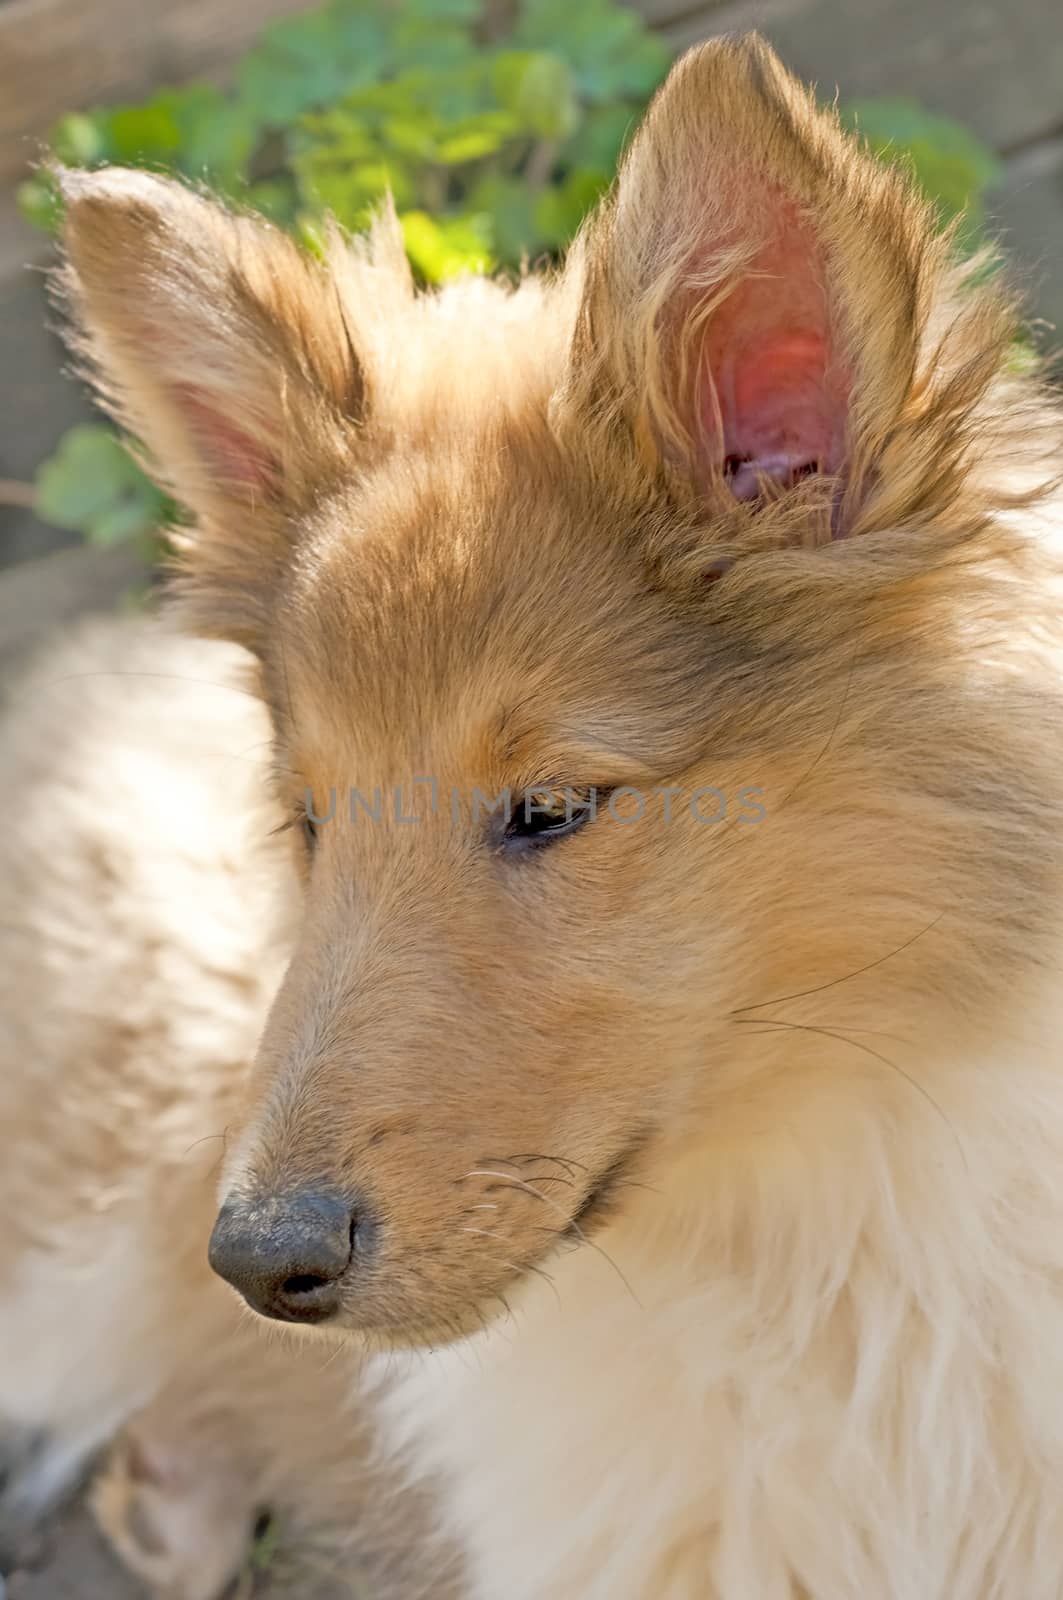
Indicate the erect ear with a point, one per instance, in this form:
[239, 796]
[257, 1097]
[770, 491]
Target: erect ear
[225, 350]
[756, 290]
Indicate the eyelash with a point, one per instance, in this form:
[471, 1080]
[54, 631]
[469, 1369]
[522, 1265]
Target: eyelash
[529, 827]
[298, 819]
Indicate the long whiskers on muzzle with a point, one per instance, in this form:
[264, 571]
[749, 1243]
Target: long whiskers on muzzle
[570, 1224]
[518, 1269]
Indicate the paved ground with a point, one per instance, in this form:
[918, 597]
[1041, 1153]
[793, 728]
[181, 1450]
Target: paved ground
[72, 1562]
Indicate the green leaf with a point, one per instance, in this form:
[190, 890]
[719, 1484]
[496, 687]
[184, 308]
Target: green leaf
[93, 486]
[1024, 358]
[559, 211]
[447, 248]
[510, 205]
[146, 135]
[610, 50]
[329, 182]
[472, 138]
[539, 89]
[311, 234]
[276, 198]
[437, 43]
[80, 139]
[40, 202]
[948, 162]
[600, 139]
[126, 519]
[218, 135]
[312, 59]
[419, 11]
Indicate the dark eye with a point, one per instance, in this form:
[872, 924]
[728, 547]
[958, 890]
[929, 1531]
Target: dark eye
[309, 831]
[539, 818]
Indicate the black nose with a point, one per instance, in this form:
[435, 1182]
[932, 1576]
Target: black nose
[285, 1253]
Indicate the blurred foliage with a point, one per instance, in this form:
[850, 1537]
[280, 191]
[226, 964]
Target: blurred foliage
[493, 147]
[93, 486]
[494, 141]
[951, 166]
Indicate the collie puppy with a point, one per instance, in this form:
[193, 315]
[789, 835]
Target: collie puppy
[655, 990]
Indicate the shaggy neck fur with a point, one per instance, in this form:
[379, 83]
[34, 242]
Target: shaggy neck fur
[821, 1361]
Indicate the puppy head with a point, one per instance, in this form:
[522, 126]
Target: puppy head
[641, 647]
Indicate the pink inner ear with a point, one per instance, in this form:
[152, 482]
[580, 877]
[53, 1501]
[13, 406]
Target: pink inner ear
[234, 457]
[772, 398]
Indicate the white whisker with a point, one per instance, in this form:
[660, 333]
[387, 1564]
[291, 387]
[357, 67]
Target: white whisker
[570, 1221]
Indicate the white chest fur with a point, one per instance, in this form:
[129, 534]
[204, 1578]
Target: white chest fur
[860, 1396]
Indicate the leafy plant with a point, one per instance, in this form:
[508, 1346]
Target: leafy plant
[500, 142]
[493, 141]
[93, 486]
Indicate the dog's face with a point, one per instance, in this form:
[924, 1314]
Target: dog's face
[626, 639]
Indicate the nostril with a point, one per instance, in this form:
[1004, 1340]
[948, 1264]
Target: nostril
[304, 1283]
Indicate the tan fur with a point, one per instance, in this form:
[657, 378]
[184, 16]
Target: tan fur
[807, 1339]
